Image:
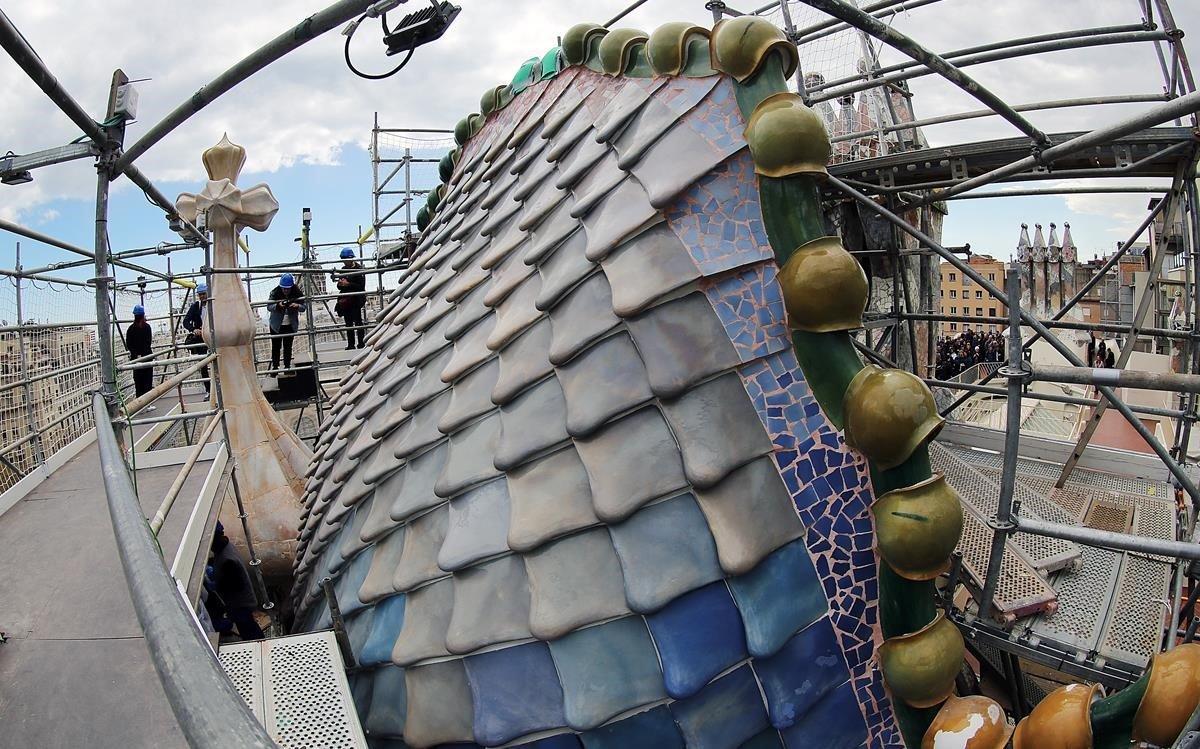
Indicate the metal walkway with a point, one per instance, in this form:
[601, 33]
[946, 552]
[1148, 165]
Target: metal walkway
[75, 665]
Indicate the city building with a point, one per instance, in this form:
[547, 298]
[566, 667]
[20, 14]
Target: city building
[959, 295]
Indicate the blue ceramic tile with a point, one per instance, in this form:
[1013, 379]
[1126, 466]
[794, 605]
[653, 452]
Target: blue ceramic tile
[665, 551]
[725, 713]
[698, 635]
[561, 741]
[439, 705]
[653, 729]
[808, 667]
[835, 722]
[388, 621]
[361, 684]
[388, 703]
[358, 626]
[606, 670]
[771, 618]
[351, 580]
[515, 692]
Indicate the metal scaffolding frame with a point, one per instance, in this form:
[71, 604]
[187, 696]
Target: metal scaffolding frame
[893, 195]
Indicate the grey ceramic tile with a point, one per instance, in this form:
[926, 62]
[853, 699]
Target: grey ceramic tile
[719, 429]
[506, 278]
[470, 251]
[654, 120]
[434, 313]
[499, 195]
[506, 241]
[499, 158]
[750, 514]
[516, 313]
[540, 203]
[424, 431]
[523, 361]
[432, 341]
[569, 137]
[534, 175]
[422, 540]
[581, 317]
[471, 397]
[499, 216]
[574, 581]
[383, 461]
[469, 351]
[549, 497]
[562, 111]
[682, 342]
[647, 268]
[470, 460]
[550, 232]
[478, 526]
[350, 541]
[593, 187]
[378, 583]
[379, 520]
[603, 381]
[578, 162]
[531, 423]
[624, 105]
[471, 310]
[469, 279]
[676, 161]
[410, 491]
[630, 462]
[439, 704]
[426, 615]
[665, 551]
[563, 268]
[491, 605]
[625, 211]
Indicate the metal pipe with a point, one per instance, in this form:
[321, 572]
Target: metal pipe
[629, 9]
[1099, 327]
[1109, 539]
[1180, 475]
[889, 36]
[1097, 190]
[308, 29]
[339, 625]
[1002, 524]
[39, 452]
[972, 387]
[137, 404]
[149, 363]
[1100, 136]
[210, 713]
[160, 515]
[178, 416]
[1128, 378]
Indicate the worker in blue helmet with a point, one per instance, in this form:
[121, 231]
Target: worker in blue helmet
[352, 297]
[138, 337]
[194, 321]
[287, 302]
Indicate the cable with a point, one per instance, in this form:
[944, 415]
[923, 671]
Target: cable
[371, 76]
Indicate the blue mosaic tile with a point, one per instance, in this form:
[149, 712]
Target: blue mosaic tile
[771, 618]
[808, 667]
[835, 722]
[720, 221]
[515, 692]
[765, 740]
[386, 625]
[726, 713]
[561, 741]
[665, 550]
[606, 670]
[653, 729]
[750, 305]
[389, 703]
[698, 635]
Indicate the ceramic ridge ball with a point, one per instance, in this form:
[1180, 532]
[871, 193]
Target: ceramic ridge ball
[1060, 721]
[824, 287]
[889, 414]
[1171, 695]
[974, 722]
[918, 527]
[920, 668]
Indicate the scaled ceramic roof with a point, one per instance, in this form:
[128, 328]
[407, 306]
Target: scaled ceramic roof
[577, 487]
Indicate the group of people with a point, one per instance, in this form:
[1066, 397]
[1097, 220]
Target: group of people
[286, 302]
[1099, 354]
[957, 354]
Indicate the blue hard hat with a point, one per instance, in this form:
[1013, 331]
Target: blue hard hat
[138, 310]
[201, 288]
[286, 281]
[347, 253]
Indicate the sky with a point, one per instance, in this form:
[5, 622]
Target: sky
[305, 121]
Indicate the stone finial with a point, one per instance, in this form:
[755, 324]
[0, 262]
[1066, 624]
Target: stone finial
[224, 160]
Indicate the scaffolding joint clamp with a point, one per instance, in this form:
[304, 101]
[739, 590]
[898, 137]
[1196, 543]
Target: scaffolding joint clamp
[1006, 526]
[1022, 372]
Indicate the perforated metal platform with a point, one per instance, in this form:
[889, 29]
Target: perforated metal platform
[297, 687]
[1111, 607]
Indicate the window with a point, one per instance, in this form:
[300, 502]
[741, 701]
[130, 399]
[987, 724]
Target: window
[978, 294]
[954, 326]
[941, 292]
[992, 311]
[954, 310]
[953, 294]
[979, 311]
[991, 276]
[953, 277]
[966, 281]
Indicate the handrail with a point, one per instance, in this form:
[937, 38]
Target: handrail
[210, 712]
